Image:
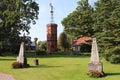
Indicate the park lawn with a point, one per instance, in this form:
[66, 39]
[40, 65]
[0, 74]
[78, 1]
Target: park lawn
[58, 68]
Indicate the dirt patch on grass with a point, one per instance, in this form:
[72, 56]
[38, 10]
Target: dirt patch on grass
[4, 76]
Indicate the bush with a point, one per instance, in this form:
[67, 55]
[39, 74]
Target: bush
[61, 53]
[95, 74]
[113, 55]
[17, 65]
[39, 52]
[85, 48]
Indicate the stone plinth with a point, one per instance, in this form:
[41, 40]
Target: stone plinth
[95, 66]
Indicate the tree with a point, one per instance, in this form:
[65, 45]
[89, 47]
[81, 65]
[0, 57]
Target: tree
[79, 22]
[102, 22]
[63, 41]
[107, 27]
[42, 45]
[16, 16]
[107, 23]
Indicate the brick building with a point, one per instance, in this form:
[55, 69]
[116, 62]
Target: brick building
[78, 42]
[51, 37]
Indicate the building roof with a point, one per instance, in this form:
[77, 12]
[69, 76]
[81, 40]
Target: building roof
[82, 40]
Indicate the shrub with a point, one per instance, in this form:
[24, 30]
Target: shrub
[113, 55]
[39, 52]
[95, 74]
[85, 48]
[61, 53]
[17, 65]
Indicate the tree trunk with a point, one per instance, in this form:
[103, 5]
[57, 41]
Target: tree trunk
[0, 52]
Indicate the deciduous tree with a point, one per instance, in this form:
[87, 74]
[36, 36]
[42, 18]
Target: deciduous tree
[79, 22]
[16, 16]
[63, 41]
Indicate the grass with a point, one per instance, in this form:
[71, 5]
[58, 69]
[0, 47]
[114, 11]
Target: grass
[58, 68]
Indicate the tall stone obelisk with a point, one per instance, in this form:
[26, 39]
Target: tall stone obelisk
[21, 57]
[95, 64]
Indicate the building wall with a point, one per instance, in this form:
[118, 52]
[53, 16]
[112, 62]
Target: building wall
[51, 37]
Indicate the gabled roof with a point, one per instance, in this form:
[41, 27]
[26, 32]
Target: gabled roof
[82, 40]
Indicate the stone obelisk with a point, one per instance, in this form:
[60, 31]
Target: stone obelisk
[21, 57]
[95, 64]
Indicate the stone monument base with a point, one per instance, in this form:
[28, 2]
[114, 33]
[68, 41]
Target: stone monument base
[36, 62]
[95, 66]
[22, 60]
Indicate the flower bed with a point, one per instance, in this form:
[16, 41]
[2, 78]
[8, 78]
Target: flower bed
[95, 74]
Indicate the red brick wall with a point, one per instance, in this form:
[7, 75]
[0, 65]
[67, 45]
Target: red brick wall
[51, 37]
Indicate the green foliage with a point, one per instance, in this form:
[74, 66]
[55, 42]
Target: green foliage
[40, 52]
[60, 53]
[42, 45]
[95, 74]
[1, 49]
[63, 41]
[107, 27]
[80, 21]
[102, 22]
[85, 48]
[41, 48]
[16, 16]
[113, 55]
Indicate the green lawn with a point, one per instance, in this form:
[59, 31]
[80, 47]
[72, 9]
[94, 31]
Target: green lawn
[58, 68]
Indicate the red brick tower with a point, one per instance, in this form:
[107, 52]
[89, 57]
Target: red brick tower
[51, 37]
[51, 34]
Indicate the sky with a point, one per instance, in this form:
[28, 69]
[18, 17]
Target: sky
[62, 8]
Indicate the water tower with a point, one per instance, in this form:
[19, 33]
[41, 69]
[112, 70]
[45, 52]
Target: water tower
[51, 33]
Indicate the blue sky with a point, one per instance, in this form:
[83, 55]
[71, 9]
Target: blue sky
[61, 9]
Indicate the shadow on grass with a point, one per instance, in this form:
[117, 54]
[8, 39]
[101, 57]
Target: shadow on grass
[7, 59]
[45, 66]
[112, 74]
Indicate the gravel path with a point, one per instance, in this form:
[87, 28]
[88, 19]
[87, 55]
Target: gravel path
[6, 77]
